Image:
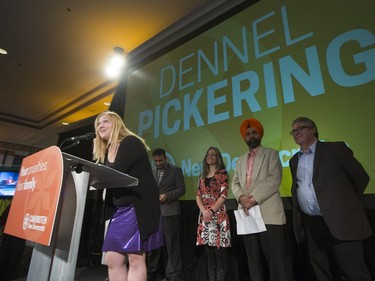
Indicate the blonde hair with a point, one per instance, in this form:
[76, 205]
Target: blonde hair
[119, 132]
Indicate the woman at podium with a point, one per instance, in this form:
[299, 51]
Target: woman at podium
[134, 227]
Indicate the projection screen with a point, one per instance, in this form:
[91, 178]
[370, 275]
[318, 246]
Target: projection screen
[275, 61]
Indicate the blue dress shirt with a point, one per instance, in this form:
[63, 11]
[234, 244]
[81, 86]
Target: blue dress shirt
[305, 189]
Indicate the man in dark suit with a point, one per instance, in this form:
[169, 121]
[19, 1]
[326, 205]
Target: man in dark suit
[327, 213]
[171, 187]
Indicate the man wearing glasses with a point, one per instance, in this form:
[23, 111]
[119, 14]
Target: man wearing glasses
[327, 213]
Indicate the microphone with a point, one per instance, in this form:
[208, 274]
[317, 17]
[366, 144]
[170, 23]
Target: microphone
[88, 136]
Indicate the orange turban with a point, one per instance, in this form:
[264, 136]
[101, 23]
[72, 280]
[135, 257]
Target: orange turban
[253, 123]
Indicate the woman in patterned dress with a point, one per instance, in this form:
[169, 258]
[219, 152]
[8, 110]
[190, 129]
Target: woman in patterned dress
[213, 222]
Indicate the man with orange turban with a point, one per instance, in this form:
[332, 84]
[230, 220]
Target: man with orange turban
[253, 123]
[256, 181]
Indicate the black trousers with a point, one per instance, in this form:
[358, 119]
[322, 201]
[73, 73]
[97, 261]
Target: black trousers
[268, 254]
[171, 232]
[333, 259]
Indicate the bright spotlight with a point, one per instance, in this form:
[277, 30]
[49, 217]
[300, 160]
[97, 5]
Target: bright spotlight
[116, 63]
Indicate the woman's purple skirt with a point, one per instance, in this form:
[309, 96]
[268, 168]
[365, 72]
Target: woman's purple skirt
[123, 234]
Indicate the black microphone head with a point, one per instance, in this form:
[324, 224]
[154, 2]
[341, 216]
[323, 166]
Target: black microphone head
[91, 136]
[88, 136]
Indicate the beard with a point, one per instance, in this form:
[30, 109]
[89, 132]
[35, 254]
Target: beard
[253, 143]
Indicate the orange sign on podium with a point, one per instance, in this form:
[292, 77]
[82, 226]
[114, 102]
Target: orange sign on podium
[33, 211]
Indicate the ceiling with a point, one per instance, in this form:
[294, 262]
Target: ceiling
[57, 50]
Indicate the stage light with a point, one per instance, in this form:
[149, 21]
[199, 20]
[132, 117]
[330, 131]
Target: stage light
[116, 63]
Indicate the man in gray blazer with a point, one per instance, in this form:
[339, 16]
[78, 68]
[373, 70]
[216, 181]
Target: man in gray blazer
[327, 213]
[256, 181]
[171, 187]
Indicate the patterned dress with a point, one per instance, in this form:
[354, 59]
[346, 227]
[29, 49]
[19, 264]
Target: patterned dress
[215, 233]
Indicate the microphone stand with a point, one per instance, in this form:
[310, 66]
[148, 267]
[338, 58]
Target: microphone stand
[69, 146]
[76, 140]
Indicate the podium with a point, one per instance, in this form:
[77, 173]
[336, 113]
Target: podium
[57, 261]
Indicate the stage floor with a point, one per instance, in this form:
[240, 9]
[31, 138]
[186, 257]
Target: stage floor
[86, 274]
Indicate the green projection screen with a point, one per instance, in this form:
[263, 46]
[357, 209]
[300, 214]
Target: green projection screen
[275, 61]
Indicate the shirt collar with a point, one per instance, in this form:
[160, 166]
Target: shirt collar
[312, 149]
[254, 151]
[163, 168]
